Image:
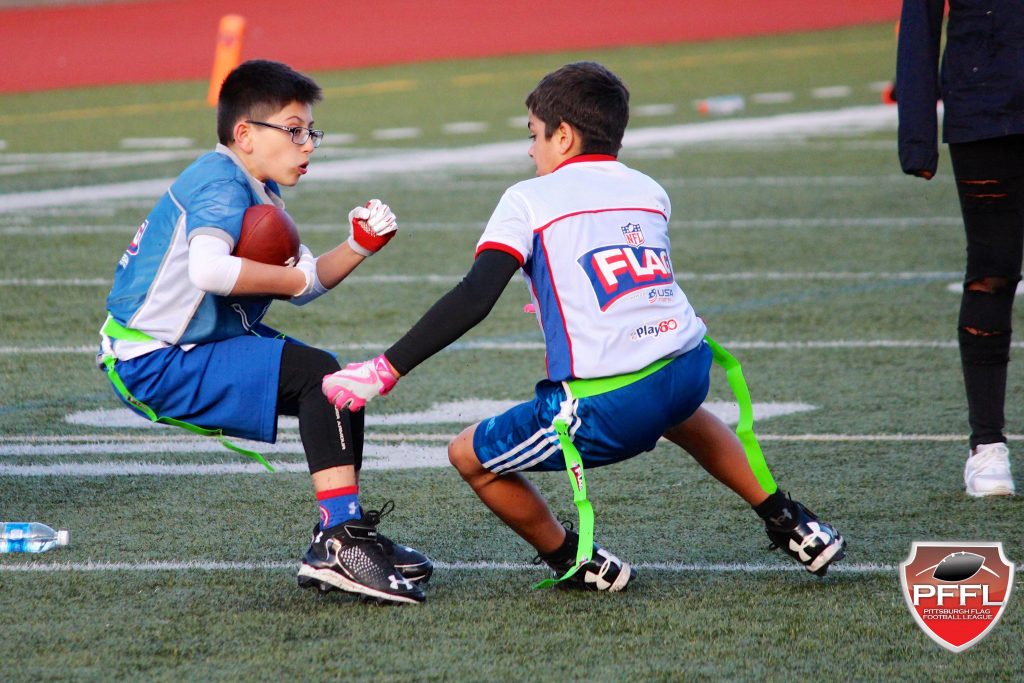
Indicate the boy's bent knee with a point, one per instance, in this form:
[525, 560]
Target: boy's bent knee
[306, 365]
[321, 361]
[462, 456]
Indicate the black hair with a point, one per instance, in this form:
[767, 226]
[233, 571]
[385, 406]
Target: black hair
[590, 98]
[260, 88]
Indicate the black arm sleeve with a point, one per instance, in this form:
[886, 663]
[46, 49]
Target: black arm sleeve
[456, 312]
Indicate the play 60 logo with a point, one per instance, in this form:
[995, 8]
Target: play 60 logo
[653, 329]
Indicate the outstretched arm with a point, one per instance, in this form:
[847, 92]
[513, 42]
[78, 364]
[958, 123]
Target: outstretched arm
[457, 312]
[453, 315]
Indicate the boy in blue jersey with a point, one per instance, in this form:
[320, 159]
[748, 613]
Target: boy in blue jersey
[626, 358]
[183, 338]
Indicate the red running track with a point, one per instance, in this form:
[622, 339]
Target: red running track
[165, 40]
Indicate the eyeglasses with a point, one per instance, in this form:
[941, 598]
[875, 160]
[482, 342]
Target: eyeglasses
[299, 134]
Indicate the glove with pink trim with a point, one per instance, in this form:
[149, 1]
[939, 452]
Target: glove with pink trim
[356, 383]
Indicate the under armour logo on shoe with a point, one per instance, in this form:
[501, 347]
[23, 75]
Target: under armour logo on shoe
[817, 537]
[399, 580]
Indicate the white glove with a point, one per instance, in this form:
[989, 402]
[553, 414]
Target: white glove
[307, 266]
[372, 226]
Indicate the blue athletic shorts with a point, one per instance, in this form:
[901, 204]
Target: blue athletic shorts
[605, 429]
[229, 385]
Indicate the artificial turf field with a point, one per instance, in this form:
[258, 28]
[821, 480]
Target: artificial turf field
[826, 272]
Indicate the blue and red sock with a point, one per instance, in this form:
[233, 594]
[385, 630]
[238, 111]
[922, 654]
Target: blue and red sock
[338, 505]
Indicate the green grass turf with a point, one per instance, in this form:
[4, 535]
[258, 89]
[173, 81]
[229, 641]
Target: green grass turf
[488, 625]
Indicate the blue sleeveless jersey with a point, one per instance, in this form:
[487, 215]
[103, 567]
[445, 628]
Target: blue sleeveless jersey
[152, 291]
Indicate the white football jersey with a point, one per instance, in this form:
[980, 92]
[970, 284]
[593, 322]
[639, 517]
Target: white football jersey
[592, 240]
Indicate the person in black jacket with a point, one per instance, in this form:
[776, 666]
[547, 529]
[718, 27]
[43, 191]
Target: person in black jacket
[982, 90]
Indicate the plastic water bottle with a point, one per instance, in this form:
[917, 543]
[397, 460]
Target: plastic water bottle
[30, 537]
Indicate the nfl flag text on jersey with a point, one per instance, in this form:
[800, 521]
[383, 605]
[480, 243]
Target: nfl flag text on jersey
[617, 270]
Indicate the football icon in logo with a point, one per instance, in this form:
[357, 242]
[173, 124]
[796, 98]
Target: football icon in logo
[958, 566]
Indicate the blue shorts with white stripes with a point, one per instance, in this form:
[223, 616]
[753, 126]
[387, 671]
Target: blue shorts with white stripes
[605, 429]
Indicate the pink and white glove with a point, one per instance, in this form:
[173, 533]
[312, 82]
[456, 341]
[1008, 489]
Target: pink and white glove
[373, 226]
[356, 383]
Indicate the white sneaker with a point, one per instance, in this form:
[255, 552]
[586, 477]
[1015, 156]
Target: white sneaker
[987, 472]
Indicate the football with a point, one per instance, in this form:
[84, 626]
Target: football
[269, 236]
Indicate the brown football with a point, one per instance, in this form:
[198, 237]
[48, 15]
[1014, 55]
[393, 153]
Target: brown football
[269, 236]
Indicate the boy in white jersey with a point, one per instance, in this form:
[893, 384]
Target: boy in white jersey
[183, 339]
[626, 358]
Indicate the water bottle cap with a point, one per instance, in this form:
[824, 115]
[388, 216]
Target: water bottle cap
[63, 536]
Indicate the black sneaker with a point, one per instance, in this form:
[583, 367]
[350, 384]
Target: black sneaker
[413, 564]
[604, 571]
[347, 557]
[806, 539]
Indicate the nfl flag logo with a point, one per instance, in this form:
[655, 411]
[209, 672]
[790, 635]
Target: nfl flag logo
[633, 234]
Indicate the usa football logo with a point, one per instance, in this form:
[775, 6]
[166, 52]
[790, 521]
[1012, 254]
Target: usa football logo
[633, 233]
[956, 592]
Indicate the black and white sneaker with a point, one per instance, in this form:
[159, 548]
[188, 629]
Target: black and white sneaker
[604, 571]
[413, 564]
[348, 557]
[808, 540]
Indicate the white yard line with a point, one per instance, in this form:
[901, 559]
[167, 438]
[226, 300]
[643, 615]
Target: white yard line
[783, 181]
[396, 133]
[157, 143]
[831, 92]
[653, 110]
[213, 565]
[396, 455]
[815, 223]
[846, 121]
[772, 97]
[286, 434]
[39, 231]
[818, 223]
[69, 282]
[15, 445]
[539, 346]
[70, 196]
[464, 127]
[436, 278]
[21, 164]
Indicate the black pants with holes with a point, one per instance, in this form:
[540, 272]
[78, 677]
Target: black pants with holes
[990, 184]
[329, 437]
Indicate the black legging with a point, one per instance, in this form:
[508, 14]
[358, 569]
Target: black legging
[329, 437]
[990, 183]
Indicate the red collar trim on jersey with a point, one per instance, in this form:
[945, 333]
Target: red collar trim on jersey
[586, 157]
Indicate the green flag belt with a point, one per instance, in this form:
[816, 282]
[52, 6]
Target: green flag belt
[583, 388]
